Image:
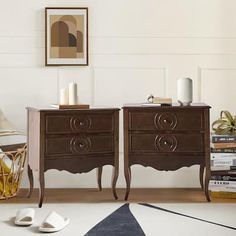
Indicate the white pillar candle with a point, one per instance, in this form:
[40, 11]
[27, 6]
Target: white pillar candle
[73, 94]
[185, 91]
[64, 96]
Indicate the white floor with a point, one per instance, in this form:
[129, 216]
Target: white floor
[153, 222]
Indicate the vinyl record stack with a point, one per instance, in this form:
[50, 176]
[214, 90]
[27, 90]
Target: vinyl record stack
[223, 166]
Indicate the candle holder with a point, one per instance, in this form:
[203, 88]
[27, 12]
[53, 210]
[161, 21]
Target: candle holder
[69, 98]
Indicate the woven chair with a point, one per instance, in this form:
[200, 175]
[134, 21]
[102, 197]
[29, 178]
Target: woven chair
[12, 160]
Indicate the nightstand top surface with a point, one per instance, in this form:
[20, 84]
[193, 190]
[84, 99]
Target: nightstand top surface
[173, 105]
[91, 109]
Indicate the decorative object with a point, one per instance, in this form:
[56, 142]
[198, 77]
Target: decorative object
[167, 138]
[226, 124]
[69, 95]
[64, 99]
[66, 36]
[69, 98]
[74, 140]
[185, 91]
[11, 169]
[73, 97]
[158, 100]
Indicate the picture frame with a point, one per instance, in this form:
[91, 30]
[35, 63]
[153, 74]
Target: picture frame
[66, 36]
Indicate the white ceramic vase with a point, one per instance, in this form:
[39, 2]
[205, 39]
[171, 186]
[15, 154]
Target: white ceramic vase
[185, 91]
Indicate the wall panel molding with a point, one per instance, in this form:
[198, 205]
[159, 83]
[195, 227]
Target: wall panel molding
[199, 76]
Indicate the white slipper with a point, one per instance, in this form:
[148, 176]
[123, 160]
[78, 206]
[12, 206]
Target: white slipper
[53, 222]
[25, 217]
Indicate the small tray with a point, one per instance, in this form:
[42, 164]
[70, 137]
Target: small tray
[76, 106]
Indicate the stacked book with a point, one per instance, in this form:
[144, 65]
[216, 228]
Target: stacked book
[223, 160]
[157, 101]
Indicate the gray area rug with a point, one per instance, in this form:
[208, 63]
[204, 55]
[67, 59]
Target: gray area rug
[120, 222]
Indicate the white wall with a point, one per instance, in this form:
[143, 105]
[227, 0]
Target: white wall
[137, 47]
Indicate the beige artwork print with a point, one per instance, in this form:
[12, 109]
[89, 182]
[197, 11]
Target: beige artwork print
[67, 33]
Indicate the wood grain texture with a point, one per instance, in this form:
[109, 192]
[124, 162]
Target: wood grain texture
[167, 138]
[166, 120]
[93, 195]
[74, 140]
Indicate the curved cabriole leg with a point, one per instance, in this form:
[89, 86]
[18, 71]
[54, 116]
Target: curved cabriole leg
[31, 181]
[114, 180]
[99, 178]
[201, 173]
[128, 180]
[42, 187]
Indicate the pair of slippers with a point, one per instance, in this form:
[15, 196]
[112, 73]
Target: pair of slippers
[52, 223]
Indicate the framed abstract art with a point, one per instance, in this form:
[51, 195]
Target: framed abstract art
[66, 36]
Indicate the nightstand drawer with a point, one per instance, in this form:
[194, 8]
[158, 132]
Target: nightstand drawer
[166, 120]
[166, 143]
[56, 124]
[79, 145]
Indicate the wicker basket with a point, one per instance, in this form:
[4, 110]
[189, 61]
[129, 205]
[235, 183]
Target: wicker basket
[11, 169]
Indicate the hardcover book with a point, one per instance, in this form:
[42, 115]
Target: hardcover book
[223, 189]
[223, 145]
[161, 100]
[223, 168]
[223, 138]
[76, 106]
[222, 183]
[223, 177]
[223, 150]
[223, 155]
[222, 194]
[223, 161]
[227, 186]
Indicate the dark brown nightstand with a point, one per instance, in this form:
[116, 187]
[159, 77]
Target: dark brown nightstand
[73, 140]
[167, 138]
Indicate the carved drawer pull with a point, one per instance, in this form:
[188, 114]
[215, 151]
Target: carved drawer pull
[166, 120]
[166, 143]
[80, 145]
[80, 123]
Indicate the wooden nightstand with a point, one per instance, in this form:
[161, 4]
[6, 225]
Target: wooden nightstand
[167, 138]
[73, 140]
